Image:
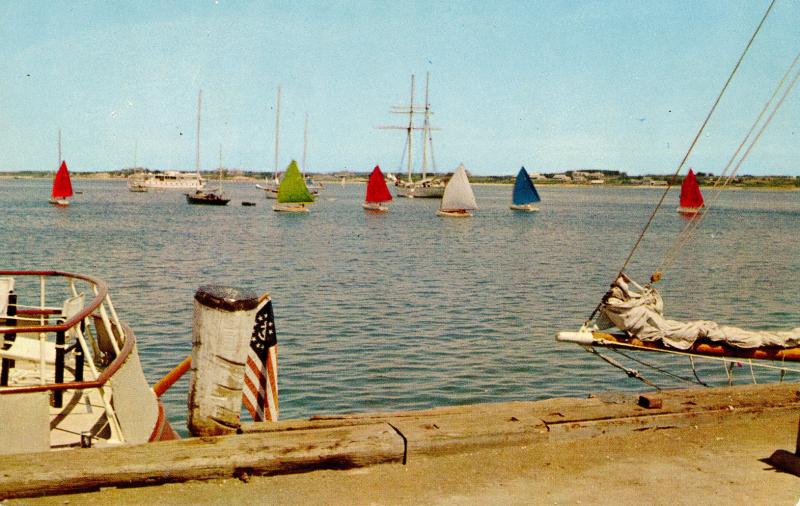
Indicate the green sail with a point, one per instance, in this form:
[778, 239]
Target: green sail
[293, 188]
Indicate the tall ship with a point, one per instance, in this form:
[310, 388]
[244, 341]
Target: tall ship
[426, 187]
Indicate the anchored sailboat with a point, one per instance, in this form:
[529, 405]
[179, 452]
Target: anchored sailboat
[377, 192]
[270, 186]
[525, 194]
[691, 200]
[202, 196]
[458, 199]
[293, 195]
[427, 187]
[62, 187]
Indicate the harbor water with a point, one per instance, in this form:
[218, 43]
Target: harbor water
[407, 310]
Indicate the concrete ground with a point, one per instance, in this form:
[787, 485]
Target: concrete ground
[717, 464]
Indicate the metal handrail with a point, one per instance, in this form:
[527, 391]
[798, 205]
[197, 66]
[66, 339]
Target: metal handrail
[101, 380]
[102, 291]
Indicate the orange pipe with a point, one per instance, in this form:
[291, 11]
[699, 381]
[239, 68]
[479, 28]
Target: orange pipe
[174, 375]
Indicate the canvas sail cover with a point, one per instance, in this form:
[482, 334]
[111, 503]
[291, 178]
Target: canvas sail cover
[62, 186]
[458, 192]
[640, 313]
[293, 188]
[524, 191]
[377, 191]
[690, 192]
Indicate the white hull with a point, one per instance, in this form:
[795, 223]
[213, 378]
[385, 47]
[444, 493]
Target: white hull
[290, 208]
[59, 202]
[455, 213]
[524, 207]
[166, 181]
[375, 207]
[419, 192]
[689, 210]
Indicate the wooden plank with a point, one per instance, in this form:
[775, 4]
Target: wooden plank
[199, 459]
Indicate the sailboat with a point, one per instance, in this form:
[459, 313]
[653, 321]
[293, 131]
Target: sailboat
[691, 200]
[458, 199]
[525, 194]
[293, 195]
[377, 192]
[201, 195]
[62, 187]
[270, 186]
[427, 187]
[631, 316]
[212, 197]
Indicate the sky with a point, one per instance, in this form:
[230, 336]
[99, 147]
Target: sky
[549, 85]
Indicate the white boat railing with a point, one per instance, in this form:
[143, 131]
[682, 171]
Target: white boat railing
[45, 337]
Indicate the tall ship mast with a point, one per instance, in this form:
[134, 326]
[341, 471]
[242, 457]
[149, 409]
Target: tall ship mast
[426, 187]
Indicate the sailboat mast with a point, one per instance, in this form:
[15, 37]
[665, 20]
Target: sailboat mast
[305, 143]
[220, 168]
[277, 128]
[197, 148]
[410, 127]
[425, 127]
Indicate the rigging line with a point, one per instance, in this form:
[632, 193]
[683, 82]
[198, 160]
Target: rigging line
[697, 219]
[403, 157]
[694, 371]
[656, 368]
[632, 373]
[691, 148]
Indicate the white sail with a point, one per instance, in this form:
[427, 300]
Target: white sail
[458, 192]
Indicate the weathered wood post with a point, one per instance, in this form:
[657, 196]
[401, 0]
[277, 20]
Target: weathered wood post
[222, 327]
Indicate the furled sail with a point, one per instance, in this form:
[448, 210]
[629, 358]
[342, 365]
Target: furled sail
[292, 188]
[524, 190]
[691, 198]
[377, 191]
[458, 192]
[640, 313]
[62, 186]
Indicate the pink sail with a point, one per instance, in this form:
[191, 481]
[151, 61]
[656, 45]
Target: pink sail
[691, 198]
[62, 187]
[377, 191]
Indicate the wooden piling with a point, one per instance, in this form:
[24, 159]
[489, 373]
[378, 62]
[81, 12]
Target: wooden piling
[222, 327]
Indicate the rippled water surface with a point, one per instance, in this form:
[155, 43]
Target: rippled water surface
[408, 310]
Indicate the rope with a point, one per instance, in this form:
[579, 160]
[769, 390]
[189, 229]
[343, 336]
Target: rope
[694, 371]
[689, 151]
[656, 368]
[696, 220]
[632, 373]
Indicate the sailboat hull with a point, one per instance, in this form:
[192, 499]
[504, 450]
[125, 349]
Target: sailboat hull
[59, 202]
[289, 208]
[455, 213]
[420, 192]
[375, 207]
[689, 210]
[524, 207]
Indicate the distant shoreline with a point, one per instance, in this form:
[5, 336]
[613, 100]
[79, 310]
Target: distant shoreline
[363, 180]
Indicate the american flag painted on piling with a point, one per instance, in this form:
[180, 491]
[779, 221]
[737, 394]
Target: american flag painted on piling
[260, 393]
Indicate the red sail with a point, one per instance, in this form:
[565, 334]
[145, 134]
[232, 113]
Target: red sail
[62, 187]
[377, 191]
[690, 192]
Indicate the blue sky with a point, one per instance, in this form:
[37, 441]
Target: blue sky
[620, 85]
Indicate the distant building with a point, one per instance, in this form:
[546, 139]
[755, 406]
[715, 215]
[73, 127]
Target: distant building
[562, 177]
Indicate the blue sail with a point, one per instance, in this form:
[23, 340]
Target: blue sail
[524, 191]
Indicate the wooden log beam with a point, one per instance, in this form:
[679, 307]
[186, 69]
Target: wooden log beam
[199, 459]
